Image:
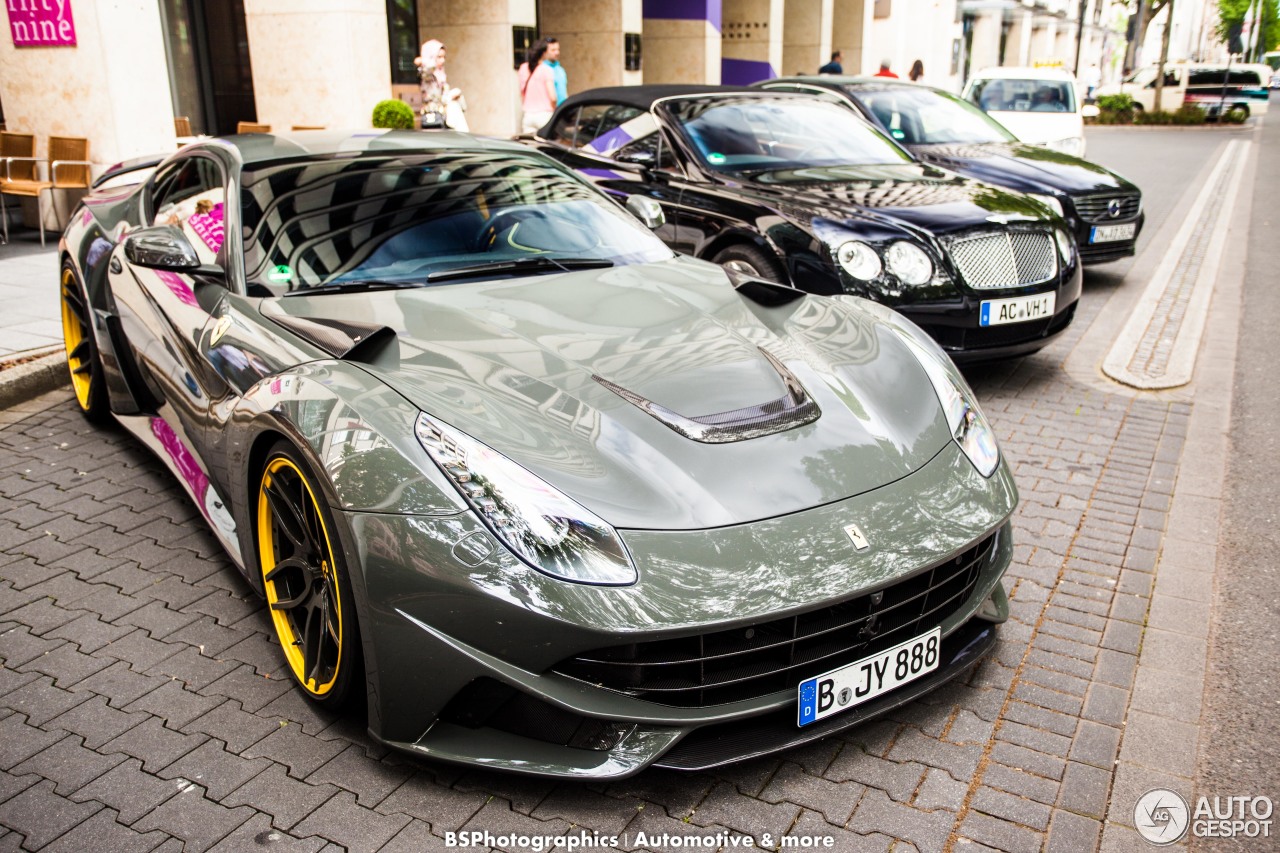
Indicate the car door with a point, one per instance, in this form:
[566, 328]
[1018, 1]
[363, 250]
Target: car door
[163, 312]
[621, 150]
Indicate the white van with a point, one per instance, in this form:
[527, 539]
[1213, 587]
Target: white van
[1209, 86]
[1043, 106]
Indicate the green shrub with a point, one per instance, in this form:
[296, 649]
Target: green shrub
[1188, 114]
[1153, 117]
[393, 115]
[1115, 103]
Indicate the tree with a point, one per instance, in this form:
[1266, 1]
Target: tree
[1147, 10]
[1232, 15]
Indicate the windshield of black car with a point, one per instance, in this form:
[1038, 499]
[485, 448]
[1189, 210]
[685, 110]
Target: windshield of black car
[919, 116]
[400, 218]
[746, 134]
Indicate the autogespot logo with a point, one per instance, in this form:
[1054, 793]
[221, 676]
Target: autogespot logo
[1161, 816]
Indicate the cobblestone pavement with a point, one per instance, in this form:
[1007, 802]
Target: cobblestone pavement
[143, 702]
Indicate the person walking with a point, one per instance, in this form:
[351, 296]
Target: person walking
[561, 77]
[537, 89]
[835, 66]
[442, 106]
[1092, 80]
[917, 71]
[884, 70]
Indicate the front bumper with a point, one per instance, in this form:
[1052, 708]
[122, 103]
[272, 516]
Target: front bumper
[445, 619]
[1103, 253]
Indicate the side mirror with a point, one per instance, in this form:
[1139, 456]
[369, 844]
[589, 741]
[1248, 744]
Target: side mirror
[161, 247]
[647, 211]
[1090, 111]
[645, 159]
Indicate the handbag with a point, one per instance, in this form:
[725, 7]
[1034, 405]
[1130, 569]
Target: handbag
[432, 120]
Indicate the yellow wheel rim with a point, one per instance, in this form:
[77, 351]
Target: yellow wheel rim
[75, 334]
[300, 577]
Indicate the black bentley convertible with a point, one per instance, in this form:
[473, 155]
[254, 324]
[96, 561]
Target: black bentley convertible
[1103, 209]
[801, 191]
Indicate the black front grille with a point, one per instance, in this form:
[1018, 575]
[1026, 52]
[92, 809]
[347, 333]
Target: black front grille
[755, 660]
[1097, 207]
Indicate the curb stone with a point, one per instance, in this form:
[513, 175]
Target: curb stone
[29, 380]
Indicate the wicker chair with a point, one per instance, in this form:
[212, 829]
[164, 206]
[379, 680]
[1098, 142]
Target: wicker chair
[182, 126]
[308, 127]
[252, 127]
[68, 165]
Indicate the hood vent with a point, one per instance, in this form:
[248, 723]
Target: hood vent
[342, 339]
[793, 409]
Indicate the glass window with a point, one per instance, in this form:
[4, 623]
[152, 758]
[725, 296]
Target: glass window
[402, 36]
[918, 116]
[1009, 95]
[597, 124]
[191, 194]
[402, 218]
[655, 146]
[631, 51]
[565, 128]
[760, 134]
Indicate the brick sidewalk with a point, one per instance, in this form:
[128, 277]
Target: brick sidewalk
[143, 701]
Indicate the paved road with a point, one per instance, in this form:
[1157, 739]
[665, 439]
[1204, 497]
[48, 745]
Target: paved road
[143, 703]
[1242, 740]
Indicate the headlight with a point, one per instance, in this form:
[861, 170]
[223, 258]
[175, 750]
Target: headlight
[965, 420]
[858, 260]
[1048, 201]
[1073, 145]
[544, 527]
[909, 263]
[1064, 241]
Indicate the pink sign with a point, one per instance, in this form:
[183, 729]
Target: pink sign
[41, 23]
[209, 227]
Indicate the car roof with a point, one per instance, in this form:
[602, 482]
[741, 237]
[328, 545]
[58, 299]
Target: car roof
[642, 97]
[258, 148]
[1024, 73]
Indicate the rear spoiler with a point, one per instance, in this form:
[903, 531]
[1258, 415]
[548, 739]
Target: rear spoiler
[137, 164]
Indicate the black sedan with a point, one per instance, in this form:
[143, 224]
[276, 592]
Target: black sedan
[796, 190]
[1103, 209]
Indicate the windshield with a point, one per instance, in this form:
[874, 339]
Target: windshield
[752, 134]
[918, 116]
[400, 218]
[1037, 96]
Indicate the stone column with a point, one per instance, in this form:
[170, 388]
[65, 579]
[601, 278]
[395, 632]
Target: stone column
[1044, 42]
[318, 64]
[850, 30]
[806, 36]
[592, 46]
[1017, 47]
[111, 87]
[682, 41]
[751, 46]
[985, 47]
[481, 56]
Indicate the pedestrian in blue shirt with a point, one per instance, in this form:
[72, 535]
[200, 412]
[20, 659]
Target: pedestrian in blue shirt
[834, 66]
[552, 58]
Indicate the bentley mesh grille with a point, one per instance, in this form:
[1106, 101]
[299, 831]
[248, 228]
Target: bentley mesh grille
[1097, 208]
[1008, 259]
[755, 660]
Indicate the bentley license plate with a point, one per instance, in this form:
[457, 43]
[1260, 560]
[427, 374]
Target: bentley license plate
[861, 681]
[997, 312]
[1108, 233]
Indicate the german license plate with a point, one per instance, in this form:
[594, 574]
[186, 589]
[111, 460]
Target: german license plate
[997, 312]
[1108, 233]
[861, 681]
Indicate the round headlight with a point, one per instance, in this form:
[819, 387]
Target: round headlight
[858, 260]
[1064, 242]
[909, 263]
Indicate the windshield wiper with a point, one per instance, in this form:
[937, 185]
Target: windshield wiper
[537, 263]
[360, 286]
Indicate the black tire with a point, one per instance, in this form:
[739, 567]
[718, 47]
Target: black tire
[752, 260]
[306, 581]
[83, 360]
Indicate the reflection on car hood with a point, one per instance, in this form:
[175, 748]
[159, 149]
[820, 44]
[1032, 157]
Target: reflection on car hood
[1027, 168]
[512, 362]
[920, 195]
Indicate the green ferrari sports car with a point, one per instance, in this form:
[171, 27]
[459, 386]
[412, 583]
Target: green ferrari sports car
[544, 495]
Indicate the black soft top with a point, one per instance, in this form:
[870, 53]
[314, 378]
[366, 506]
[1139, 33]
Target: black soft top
[640, 97]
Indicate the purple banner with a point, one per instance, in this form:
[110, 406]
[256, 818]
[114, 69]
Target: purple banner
[41, 23]
[744, 72]
[684, 10]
